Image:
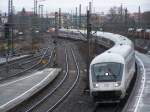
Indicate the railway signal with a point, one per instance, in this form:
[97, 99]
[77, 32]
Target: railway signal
[7, 47]
[55, 53]
[7, 36]
[6, 30]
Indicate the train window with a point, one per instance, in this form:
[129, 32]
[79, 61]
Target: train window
[109, 71]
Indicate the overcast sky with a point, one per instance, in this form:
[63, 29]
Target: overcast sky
[69, 5]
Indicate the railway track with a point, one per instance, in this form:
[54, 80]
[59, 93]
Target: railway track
[71, 87]
[53, 99]
[50, 93]
[30, 68]
[22, 60]
[56, 95]
[113, 107]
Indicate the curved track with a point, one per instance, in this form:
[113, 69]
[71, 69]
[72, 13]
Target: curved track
[56, 94]
[52, 98]
[71, 88]
[59, 87]
[55, 89]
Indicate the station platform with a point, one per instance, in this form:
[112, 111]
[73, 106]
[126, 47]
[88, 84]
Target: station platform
[3, 60]
[17, 90]
[143, 101]
[140, 97]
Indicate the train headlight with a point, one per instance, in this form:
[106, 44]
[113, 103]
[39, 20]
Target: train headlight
[96, 85]
[106, 74]
[117, 84]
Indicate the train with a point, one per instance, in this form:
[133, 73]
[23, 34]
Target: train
[139, 33]
[111, 72]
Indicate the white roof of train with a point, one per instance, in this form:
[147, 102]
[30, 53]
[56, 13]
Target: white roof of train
[139, 30]
[118, 52]
[148, 30]
[115, 54]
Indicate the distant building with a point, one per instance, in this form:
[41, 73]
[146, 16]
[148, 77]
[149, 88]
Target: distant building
[27, 13]
[135, 16]
[98, 19]
[3, 18]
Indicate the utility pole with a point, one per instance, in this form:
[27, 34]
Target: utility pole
[34, 7]
[88, 40]
[34, 19]
[56, 24]
[79, 16]
[41, 11]
[126, 19]
[76, 18]
[60, 18]
[121, 14]
[55, 41]
[36, 3]
[139, 17]
[41, 16]
[10, 22]
[90, 7]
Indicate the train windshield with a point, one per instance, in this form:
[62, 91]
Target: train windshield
[107, 72]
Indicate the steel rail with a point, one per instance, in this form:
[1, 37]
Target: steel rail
[33, 66]
[71, 88]
[48, 95]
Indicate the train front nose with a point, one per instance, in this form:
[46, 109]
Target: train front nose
[108, 91]
[107, 95]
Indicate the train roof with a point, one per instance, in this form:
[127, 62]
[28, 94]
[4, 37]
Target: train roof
[115, 54]
[139, 30]
[116, 38]
[121, 49]
[130, 29]
[107, 57]
[148, 30]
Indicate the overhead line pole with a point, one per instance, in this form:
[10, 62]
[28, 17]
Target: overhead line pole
[60, 24]
[36, 7]
[56, 24]
[10, 22]
[55, 40]
[139, 16]
[88, 40]
[79, 16]
[90, 7]
[76, 18]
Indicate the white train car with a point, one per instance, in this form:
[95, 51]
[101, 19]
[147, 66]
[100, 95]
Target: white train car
[112, 71]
